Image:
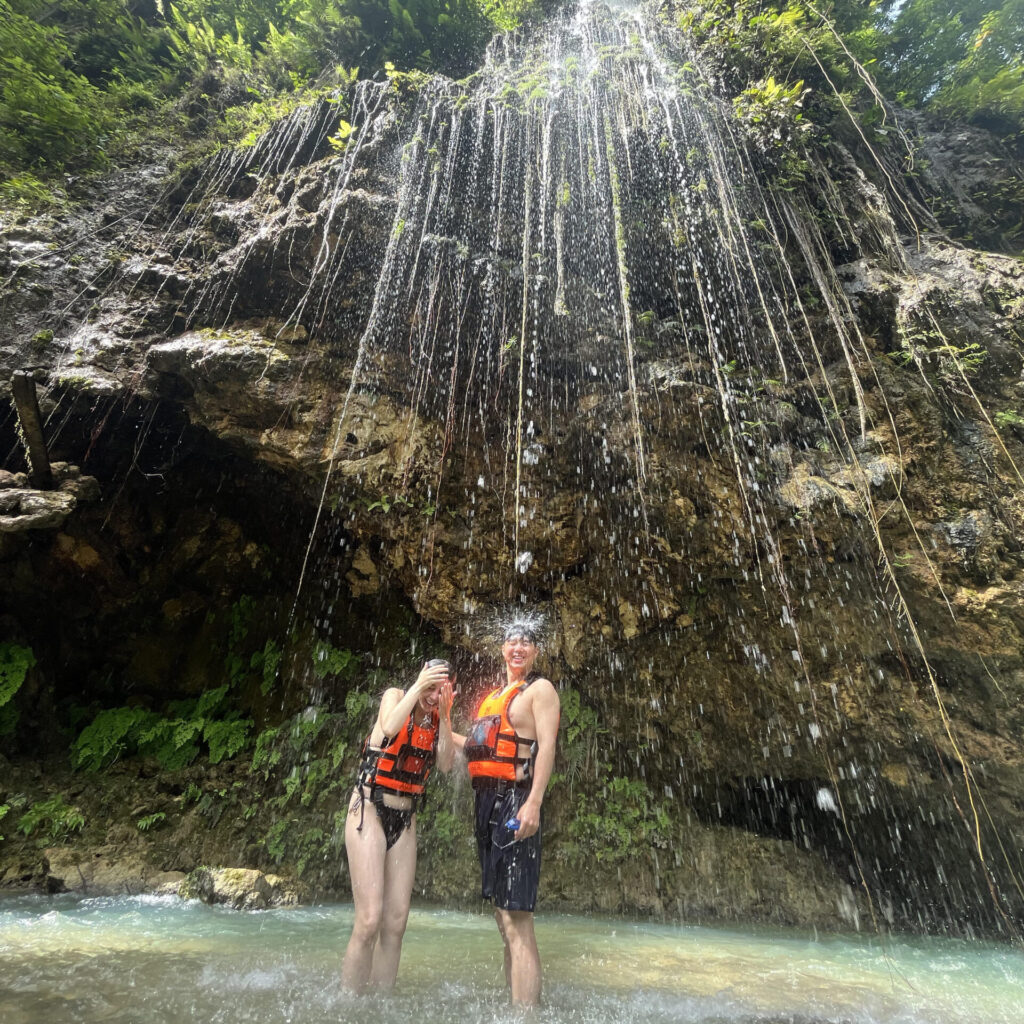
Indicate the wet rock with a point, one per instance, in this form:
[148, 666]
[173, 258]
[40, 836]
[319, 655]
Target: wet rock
[289, 334]
[363, 578]
[804, 491]
[9, 480]
[242, 888]
[23, 508]
[69, 478]
[946, 298]
[90, 380]
[717, 874]
[974, 536]
[972, 176]
[26, 509]
[103, 871]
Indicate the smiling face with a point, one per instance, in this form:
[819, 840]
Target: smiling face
[430, 698]
[519, 653]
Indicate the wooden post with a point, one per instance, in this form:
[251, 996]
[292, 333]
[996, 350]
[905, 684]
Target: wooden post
[23, 388]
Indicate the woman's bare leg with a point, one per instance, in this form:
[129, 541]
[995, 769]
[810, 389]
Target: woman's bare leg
[399, 874]
[366, 855]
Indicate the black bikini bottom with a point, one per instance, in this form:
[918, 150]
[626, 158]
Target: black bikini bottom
[393, 820]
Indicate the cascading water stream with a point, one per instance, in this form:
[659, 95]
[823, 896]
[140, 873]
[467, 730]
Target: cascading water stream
[579, 217]
[628, 382]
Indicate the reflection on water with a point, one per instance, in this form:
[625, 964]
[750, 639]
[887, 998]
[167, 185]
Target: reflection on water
[155, 959]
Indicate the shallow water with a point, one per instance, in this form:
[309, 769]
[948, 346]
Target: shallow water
[157, 959]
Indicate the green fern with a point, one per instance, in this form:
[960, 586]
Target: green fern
[225, 739]
[331, 661]
[109, 734]
[60, 819]
[15, 662]
[267, 754]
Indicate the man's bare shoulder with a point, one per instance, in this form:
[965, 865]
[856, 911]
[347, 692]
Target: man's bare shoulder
[544, 689]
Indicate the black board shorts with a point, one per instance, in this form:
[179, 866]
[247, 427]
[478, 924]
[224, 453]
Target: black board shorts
[510, 870]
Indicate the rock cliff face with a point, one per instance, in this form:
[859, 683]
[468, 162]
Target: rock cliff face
[749, 663]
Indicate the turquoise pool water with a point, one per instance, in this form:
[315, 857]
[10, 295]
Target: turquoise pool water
[156, 959]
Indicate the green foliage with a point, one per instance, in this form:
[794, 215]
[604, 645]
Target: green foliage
[964, 59]
[191, 795]
[239, 624]
[987, 84]
[357, 704]
[242, 664]
[444, 823]
[940, 359]
[267, 754]
[144, 824]
[4, 811]
[266, 663]
[770, 111]
[1007, 419]
[624, 825]
[174, 740]
[15, 662]
[308, 748]
[108, 735]
[56, 817]
[73, 75]
[78, 76]
[340, 139]
[226, 738]
[333, 661]
[311, 844]
[46, 109]
[581, 734]
[25, 191]
[210, 701]
[274, 841]
[302, 763]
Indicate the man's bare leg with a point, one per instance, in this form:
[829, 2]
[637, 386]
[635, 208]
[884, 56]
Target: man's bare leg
[399, 874]
[523, 957]
[508, 954]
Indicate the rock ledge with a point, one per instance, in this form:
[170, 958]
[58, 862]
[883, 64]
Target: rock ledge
[242, 888]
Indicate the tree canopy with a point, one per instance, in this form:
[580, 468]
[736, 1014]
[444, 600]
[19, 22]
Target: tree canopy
[77, 77]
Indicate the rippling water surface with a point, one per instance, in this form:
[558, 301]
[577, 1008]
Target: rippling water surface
[156, 959]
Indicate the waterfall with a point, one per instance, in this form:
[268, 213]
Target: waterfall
[630, 388]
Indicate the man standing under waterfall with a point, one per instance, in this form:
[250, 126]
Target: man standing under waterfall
[510, 750]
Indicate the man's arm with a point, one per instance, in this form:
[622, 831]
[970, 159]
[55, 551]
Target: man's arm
[546, 713]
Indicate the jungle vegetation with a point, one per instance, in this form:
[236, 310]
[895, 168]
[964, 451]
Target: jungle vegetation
[83, 82]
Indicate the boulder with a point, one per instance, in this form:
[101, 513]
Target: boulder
[26, 509]
[242, 888]
[102, 872]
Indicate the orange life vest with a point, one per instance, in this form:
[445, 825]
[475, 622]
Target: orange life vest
[402, 765]
[492, 745]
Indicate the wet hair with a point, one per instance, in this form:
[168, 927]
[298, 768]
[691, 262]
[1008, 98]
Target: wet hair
[522, 628]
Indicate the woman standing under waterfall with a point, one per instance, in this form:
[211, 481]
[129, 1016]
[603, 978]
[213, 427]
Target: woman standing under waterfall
[413, 731]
